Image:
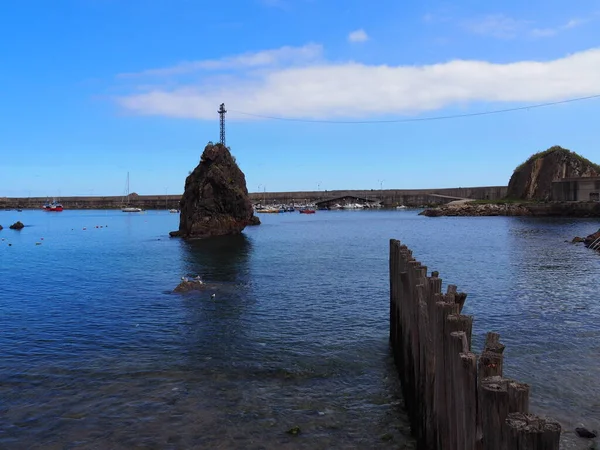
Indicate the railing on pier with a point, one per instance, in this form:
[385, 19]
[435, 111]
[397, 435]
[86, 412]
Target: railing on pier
[455, 400]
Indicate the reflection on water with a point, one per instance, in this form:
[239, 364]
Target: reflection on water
[222, 259]
[99, 353]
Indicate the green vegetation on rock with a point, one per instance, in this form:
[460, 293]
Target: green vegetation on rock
[559, 149]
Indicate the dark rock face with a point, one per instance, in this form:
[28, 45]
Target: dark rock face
[215, 201]
[533, 179]
[17, 226]
[0, 227]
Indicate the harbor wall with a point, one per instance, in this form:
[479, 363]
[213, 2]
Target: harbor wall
[455, 399]
[389, 197]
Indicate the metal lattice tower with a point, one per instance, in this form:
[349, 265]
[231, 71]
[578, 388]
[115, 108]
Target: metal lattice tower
[222, 112]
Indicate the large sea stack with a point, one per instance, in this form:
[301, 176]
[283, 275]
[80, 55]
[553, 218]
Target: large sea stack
[533, 179]
[215, 201]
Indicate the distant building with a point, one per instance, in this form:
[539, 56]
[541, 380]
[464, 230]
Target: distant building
[580, 189]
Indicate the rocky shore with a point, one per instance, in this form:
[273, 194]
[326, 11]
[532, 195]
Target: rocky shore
[542, 209]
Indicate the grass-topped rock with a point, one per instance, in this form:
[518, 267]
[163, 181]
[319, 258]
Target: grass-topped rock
[533, 179]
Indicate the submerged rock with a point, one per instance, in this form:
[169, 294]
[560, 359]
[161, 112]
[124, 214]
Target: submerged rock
[215, 201]
[17, 225]
[190, 285]
[585, 433]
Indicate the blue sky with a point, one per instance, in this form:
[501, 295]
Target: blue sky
[93, 89]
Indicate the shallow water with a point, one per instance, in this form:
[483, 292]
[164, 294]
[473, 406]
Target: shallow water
[99, 353]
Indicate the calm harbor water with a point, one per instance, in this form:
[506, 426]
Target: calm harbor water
[97, 352]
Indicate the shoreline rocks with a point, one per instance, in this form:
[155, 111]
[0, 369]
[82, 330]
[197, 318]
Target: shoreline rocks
[215, 201]
[591, 240]
[476, 209]
[546, 209]
[16, 226]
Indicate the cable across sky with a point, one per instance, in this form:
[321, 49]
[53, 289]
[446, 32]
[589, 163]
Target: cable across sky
[420, 119]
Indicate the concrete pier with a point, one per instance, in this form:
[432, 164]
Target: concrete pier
[389, 198]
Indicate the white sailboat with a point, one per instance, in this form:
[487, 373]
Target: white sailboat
[128, 208]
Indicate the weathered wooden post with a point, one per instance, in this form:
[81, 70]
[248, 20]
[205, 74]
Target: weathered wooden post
[453, 401]
[528, 432]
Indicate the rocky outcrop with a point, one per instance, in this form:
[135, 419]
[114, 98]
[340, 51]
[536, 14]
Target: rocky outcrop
[0, 227]
[533, 179]
[17, 226]
[549, 209]
[215, 201]
[254, 221]
[475, 209]
[592, 240]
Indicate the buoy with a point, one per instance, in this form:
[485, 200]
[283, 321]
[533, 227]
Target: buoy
[41, 239]
[84, 228]
[10, 245]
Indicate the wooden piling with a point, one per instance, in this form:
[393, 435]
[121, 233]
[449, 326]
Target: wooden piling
[454, 401]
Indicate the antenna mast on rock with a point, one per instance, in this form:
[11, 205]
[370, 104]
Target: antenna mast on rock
[222, 112]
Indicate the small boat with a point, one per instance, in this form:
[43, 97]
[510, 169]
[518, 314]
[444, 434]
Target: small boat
[128, 208]
[268, 211]
[307, 211]
[53, 206]
[173, 211]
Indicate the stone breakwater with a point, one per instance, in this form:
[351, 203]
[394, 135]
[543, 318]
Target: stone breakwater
[548, 209]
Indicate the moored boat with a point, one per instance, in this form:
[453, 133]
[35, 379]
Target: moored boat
[269, 211]
[127, 207]
[307, 211]
[53, 206]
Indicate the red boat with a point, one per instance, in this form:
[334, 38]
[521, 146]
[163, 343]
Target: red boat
[307, 211]
[53, 206]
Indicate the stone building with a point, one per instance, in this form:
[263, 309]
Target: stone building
[576, 189]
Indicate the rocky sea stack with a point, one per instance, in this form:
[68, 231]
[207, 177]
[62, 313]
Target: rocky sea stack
[533, 179]
[215, 201]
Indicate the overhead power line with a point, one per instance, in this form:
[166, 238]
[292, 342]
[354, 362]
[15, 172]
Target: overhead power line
[420, 119]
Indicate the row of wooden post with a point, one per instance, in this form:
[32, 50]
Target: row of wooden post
[455, 400]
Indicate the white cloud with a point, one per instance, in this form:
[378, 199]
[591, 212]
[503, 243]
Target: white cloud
[496, 25]
[267, 58]
[544, 32]
[353, 90]
[358, 36]
[549, 32]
